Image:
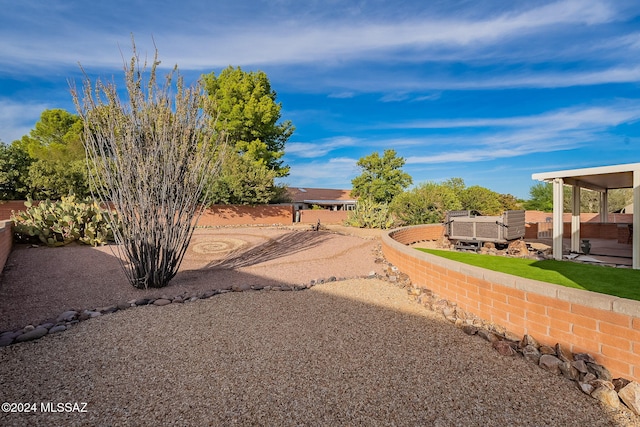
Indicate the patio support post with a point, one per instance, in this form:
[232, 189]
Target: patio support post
[604, 206]
[635, 239]
[558, 201]
[575, 218]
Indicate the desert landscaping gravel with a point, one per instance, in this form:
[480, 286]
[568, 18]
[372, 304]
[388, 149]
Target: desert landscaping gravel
[352, 352]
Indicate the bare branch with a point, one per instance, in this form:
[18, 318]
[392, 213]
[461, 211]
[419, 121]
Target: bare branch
[150, 158]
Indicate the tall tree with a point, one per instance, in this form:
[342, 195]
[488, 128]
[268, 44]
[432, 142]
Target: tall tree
[58, 166]
[151, 157]
[540, 197]
[14, 171]
[382, 178]
[245, 108]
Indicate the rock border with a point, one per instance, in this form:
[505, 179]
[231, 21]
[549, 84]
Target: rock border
[68, 318]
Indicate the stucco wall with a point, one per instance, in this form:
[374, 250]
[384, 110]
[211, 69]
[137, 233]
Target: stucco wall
[607, 327]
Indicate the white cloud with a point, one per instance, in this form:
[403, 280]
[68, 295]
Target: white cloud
[17, 119]
[334, 173]
[342, 95]
[569, 118]
[319, 148]
[509, 137]
[300, 39]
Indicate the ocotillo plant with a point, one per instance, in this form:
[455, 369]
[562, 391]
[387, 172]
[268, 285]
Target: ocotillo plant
[150, 157]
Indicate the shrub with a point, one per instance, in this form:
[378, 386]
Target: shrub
[369, 214]
[62, 222]
[427, 203]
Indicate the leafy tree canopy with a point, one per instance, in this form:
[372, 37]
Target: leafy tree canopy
[541, 198]
[243, 182]
[427, 203]
[481, 199]
[56, 136]
[47, 163]
[14, 170]
[246, 110]
[382, 178]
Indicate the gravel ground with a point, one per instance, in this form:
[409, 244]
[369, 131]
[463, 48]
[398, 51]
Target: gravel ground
[354, 352]
[357, 352]
[40, 283]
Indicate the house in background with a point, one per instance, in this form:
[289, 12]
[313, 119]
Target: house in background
[323, 198]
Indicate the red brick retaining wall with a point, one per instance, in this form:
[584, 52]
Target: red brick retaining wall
[607, 327]
[594, 230]
[588, 230]
[11, 205]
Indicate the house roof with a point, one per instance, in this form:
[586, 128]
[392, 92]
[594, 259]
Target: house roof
[598, 178]
[300, 195]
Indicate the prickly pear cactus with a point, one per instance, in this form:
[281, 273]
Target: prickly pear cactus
[62, 222]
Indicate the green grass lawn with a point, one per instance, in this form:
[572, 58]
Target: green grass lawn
[621, 282]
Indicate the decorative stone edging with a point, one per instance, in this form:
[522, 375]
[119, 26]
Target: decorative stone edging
[69, 318]
[590, 377]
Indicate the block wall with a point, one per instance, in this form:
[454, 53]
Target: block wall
[604, 326]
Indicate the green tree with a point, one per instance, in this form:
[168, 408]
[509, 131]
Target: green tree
[246, 110]
[620, 198]
[53, 179]
[510, 202]
[243, 182]
[481, 199]
[58, 165]
[427, 203]
[382, 178]
[456, 184]
[14, 170]
[540, 198]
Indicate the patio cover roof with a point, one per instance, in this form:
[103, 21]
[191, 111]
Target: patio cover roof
[601, 179]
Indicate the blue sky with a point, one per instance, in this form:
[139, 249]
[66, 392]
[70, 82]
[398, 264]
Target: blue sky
[488, 91]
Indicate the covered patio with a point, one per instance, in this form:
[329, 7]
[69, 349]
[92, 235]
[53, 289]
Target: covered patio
[600, 179]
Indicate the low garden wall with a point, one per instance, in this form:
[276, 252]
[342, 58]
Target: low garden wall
[605, 326]
[8, 206]
[588, 230]
[6, 242]
[220, 215]
[311, 216]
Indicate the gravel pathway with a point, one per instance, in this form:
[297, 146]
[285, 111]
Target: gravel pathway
[40, 283]
[356, 352]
